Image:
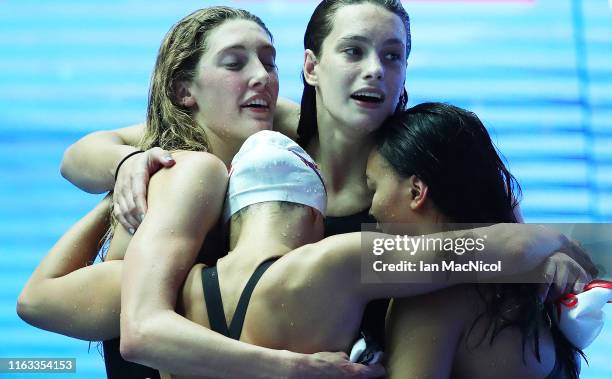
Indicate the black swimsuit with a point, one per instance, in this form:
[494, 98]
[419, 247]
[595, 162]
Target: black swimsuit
[119, 368]
[214, 302]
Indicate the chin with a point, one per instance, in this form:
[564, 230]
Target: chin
[263, 124]
[367, 122]
[257, 126]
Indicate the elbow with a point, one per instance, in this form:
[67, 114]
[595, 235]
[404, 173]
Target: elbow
[130, 348]
[27, 308]
[73, 171]
[133, 344]
[66, 165]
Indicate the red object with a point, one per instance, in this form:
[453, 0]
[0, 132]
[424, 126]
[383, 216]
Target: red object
[599, 284]
[570, 300]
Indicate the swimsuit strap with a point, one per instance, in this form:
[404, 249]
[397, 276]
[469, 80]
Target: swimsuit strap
[212, 298]
[236, 325]
[214, 302]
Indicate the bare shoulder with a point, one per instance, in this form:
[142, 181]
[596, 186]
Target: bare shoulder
[286, 117]
[330, 263]
[193, 168]
[335, 253]
[197, 160]
[190, 193]
[504, 354]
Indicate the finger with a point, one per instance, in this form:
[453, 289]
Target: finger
[119, 216]
[560, 284]
[129, 212]
[549, 275]
[342, 355]
[582, 278]
[139, 195]
[123, 215]
[577, 253]
[374, 371]
[161, 157]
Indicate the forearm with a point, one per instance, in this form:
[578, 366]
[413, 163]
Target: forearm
[65, 294]
[84, 304]
[77, 248]
[409, 266]
[174, 344]
[90, 163]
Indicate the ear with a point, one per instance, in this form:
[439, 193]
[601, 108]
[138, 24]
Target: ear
[418, 192]
[183, 94]
[310, 65]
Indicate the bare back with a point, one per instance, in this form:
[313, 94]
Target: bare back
[288, 309]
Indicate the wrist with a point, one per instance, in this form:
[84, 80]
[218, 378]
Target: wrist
[294, 364]
[124, 159]
[280, 364]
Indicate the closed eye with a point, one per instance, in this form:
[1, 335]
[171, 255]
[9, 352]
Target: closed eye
[353, 51]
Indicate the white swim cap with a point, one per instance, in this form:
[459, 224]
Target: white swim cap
[271, 167]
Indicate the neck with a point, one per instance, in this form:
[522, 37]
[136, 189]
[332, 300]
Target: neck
[342, 156]
[223, 147]
[260, 238]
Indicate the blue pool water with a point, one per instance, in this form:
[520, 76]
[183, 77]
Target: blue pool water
[539, 73]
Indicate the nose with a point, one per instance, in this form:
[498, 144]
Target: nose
[374, 68]
[260, 76]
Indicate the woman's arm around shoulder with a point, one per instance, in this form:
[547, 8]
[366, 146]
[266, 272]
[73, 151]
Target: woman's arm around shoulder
[90, 162]
[68, 295]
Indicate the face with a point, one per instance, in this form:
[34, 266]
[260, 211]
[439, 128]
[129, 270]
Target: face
[236, 84]
[391, 202]
[361, 69]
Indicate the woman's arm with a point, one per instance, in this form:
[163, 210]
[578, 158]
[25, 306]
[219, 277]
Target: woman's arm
[521, 249]
[90, 162]
[426, 351]
[66, 294]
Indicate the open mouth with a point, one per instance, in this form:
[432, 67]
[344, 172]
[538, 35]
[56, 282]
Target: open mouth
[368, 97]
[256, 104]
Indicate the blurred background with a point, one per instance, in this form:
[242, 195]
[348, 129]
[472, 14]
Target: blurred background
[539, 74]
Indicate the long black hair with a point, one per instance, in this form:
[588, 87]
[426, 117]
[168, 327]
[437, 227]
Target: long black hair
[450, 149]
[319, 27]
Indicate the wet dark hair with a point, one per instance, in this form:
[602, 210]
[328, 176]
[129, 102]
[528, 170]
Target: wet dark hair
[320, 25]
[450, 149]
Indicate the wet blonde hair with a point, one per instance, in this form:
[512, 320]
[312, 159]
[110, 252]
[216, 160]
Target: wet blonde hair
[171, 125]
